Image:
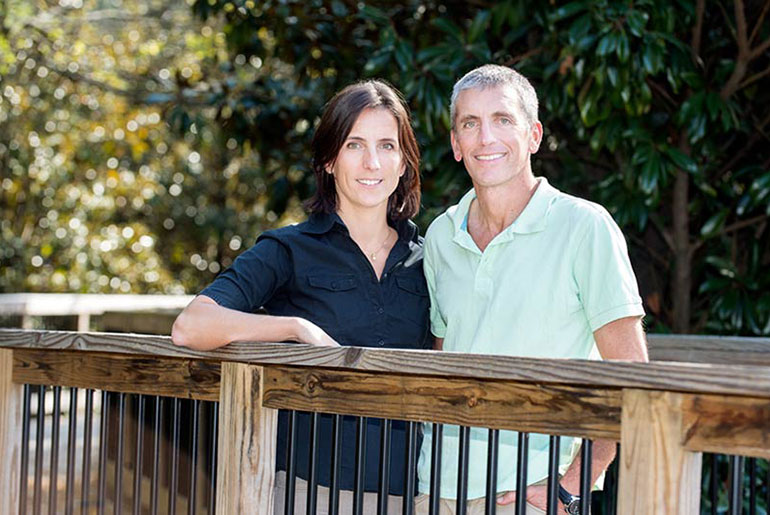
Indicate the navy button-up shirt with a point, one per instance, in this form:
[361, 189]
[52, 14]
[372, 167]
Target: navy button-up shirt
[314, 270]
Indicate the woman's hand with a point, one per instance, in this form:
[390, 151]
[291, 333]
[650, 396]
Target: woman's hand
[308, 332]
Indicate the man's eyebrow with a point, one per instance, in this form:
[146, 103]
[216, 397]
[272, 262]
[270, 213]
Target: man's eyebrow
[468, 117]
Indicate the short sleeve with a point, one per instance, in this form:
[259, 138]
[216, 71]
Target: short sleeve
[437, 322]
[606, 283]
[253, 278]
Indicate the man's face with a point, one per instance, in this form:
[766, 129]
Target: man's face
[492, 136]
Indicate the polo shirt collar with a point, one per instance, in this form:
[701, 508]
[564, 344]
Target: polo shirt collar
[533, 219]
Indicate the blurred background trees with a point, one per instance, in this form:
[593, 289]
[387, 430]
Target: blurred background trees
[143, 145]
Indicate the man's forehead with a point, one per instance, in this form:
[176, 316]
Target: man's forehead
[474, 101]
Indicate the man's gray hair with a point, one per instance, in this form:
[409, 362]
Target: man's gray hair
[491, 75]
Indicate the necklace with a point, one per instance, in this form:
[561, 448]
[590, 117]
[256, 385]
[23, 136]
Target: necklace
[373, 255]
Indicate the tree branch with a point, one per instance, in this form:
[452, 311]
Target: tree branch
[732, 228]
[760, 48]
[759, 21]
[697, 31]
[755, 78]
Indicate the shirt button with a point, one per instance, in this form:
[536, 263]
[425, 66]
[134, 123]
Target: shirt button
[381, 342]
[380, 311]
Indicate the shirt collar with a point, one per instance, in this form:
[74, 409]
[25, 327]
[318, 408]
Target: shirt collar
[534, 217]
[321, 223]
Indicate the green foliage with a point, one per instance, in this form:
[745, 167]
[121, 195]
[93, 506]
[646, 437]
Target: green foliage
[635, 117]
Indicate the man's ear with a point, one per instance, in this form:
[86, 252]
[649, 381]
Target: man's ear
[535, 137]
[458, 155]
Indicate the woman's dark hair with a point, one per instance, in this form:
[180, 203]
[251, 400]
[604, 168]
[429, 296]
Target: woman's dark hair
[337, 120]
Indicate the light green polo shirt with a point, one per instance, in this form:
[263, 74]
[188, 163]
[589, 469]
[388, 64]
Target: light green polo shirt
[541, 288]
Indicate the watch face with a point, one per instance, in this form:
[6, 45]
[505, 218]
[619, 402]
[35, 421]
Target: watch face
[573, 508]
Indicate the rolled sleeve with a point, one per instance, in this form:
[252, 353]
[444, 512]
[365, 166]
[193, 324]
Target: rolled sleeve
[253, 277]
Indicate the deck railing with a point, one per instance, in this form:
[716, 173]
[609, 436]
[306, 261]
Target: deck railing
[664, 414]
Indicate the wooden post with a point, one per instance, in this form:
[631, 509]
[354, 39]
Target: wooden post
[10, 435]
[246, 446]
[657, 475]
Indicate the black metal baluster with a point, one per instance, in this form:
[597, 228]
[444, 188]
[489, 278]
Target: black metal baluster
[411, 468]
[291, 456]
[384, 483]
[435, 468]
[85, 492]
[462, 470]
[193, 459]
[522, 464]
[552, 503]
[585, 475]
[312, 478]
[157, 428]
[213, 458]
[752, 463]
[611, 484]
[714, 484]
[119, 454]
[358, 485]
[25, 422]
[138, 454]
[103, 435]
[334, 486]
[735, 488]
[53, 482]
[37, 494]
[172, 486]
[72, 427]
[490, 501]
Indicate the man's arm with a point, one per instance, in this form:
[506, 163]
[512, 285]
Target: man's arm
[621, 339]
[205, 325]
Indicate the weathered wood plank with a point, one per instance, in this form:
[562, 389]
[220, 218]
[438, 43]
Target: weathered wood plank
[10, 435]
[657, 475]
[246, 446]
[539, 408]
[171, 377]
[724, 350]
[729, 425]
[684, 377]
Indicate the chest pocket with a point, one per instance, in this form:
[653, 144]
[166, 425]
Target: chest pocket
[413, 299]
[338, 297]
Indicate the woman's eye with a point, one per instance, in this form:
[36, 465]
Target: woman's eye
[354, 145]
[388, 146]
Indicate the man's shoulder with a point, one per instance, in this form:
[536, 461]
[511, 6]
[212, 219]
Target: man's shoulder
[577, 212]
[442, 226]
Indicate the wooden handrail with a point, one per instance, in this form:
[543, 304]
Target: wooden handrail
[664, 413]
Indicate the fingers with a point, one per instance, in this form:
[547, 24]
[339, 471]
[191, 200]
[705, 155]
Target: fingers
[508, 498]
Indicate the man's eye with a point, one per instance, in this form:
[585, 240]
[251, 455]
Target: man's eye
[470, 124]
[506, 121]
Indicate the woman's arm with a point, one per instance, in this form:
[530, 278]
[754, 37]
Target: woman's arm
[205, 325]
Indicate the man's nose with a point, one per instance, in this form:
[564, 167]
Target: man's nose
[485, 134]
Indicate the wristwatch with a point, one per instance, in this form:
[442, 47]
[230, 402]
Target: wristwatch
[571, 502]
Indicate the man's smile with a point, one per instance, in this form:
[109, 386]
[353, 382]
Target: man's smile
[490, 157]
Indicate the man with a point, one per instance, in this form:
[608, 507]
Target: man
[519, 268]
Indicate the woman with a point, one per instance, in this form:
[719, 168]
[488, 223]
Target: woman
[350, 275]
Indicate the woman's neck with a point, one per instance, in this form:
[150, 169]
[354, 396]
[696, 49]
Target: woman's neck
[367, 227]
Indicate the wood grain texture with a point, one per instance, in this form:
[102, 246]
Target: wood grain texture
[729, 425]
[724, 350]
[683, 377]
[246, 446]
[10, 435]
[657, 475]
[538, 408]
[171, 377]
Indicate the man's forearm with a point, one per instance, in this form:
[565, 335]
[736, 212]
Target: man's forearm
[602, 453]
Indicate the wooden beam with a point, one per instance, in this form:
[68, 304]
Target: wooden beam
[657, 475]
[538, 408]
[10, 435]
[246, 446]
[727, 425]
[171, 377]
[724, 350]
[684, 377]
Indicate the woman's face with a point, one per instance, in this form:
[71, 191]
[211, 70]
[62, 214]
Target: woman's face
[369, 163]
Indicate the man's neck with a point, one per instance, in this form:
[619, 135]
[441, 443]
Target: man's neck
[496, 208]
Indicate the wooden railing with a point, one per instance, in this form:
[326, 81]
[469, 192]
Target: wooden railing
[663, 413]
